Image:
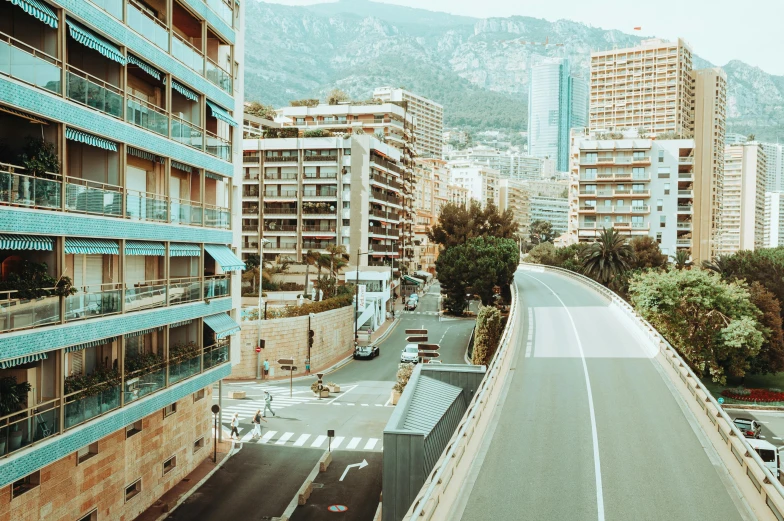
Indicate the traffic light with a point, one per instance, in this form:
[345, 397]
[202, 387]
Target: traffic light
[311, 335]
[261, 343]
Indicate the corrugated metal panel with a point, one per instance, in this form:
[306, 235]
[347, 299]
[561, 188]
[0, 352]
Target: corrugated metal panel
[442, 432]
[431, 399]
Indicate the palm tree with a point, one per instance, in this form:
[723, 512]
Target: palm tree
[608, 257]
[311, 257]
[681, 259]
[717, 264]
[334, 250]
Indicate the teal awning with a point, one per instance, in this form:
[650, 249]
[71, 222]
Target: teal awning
[184, 250]
[143, 332]
[39, 10]
[225, 257]
[89, 39]
[181, 166]
[412, 280]
[222, 114]
[91, 246]
[89, 139]
[180, 323]
[7, 364]
[222, 324]
[143, 154]
[217, 177]
[81, 347]
[185, 91]
[145, 248]
[25, 242]
[149, 69]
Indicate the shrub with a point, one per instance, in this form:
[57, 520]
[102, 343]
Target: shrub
[317, 132]
[291, 286]
[488, 335]
[404, 373]
[312, 307]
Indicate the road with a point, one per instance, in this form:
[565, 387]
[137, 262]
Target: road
[589, 429]
[772, 423]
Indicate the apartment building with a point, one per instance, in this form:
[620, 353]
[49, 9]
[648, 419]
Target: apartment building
[554, 210]
[511, 165]
[773, 230]
[637, 186]
[459, 195]
[429, 119]
[120, 288]
[743, 204]
[774, 175]
[431, 179]
[514, 196]
[481, 182]
[550, 111]
[308, 193]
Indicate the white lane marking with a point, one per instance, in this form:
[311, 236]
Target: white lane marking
[337, 441]
[353, 443]
[268, 436]
[319, 441]
[350, 404]
[301, 440]
[365, 405]
[283, 439]
[344, 393]
[597, 466]
[529, 344]
[247, 437]
[389, 401]
[371, 443]
[378, 405]
[776, 438]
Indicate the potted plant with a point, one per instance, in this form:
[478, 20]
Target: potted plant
[404, 373]
[13, 396]
[324, 391]
[333, 387]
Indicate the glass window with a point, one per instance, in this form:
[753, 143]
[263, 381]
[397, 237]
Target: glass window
[661, 156]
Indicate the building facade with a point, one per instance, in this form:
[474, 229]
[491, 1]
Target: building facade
[429, 119]
[554, 210]
[120, 286]
[743, 202]
[774, 156]
[481, 182]
[773, 232]
[510, 165]
[516, 198]
[550, 111]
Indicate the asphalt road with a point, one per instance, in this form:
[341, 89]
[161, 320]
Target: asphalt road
[256, 483]
[772, 423]
[589, 430]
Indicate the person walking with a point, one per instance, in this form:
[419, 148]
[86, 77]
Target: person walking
[257, 419]
[266, 369]
[234, 423]
[268, 404]
[307, 366]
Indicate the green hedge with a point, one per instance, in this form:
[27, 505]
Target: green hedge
[313, 307]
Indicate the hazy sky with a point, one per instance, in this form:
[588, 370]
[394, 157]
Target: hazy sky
[718, 30]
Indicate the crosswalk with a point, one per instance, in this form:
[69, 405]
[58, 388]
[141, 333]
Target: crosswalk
[434, 313]
[320, 441]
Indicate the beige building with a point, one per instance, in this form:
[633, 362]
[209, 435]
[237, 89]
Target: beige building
[429, 119]
[743, 204]
[482, 182]
[458, 195]
[515, 196]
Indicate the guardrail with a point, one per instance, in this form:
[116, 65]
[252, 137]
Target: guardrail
[429, 497]
[770, 489]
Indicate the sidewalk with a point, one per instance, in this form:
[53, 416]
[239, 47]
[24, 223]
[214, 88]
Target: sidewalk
[184, 488]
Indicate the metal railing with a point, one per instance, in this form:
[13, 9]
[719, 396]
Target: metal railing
[28, 64]
[186, 133]
[32, 191]
[85, 196]
[146, 115]
[143, 22]
[145, 206]
[187, 53]
[219, 76]
[217, 146]
[222, 9]
[94, 92]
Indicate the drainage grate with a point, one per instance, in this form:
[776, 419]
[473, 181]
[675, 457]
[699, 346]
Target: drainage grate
[186, 479]
[317, 485]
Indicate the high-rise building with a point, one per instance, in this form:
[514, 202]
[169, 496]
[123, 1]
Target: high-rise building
[430, 194]
[743, 199]
[482, 182]
[774, 155]
[550, 111]
[773, 232]
[554, 210]
[515, 197]
[510, 165]
[580, 96]
[429, 119]
[733, 138]
[637, 186]
[120, 283]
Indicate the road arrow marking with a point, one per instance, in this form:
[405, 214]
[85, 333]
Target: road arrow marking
[358, 465]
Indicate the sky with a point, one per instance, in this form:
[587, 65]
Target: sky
[718, 30]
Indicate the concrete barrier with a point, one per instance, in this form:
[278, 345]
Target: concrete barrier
[237, 395]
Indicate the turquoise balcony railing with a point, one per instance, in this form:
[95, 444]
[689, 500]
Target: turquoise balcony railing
[184, 367]
[186, 133]
[182, 291]
[186, 212]
[187, 53]
[28, 64]
[23, 313]
[217, 75]
[93, 301]
[23, 428]
[216, 354]
[86, 404]
[222, 9]
[146, 115]
[19, 189]
[218, 146]
[146, 295]
[217, 286]
[217, 217]
[144, 206]
[144, 23]
[86, 196]
[144, 375]
[94, 92]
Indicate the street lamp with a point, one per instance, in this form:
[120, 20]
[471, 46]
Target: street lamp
[356, 297]
[215, 411]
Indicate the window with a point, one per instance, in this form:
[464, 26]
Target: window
[661, 156]
[198, 395]
[86, 453]
[666, 188]
[592, 157]
[659, 237]
[636, 203]
[662, 221]
[198, 444]
[590, 173]
[26, 484]
[664, 171]
[169, 465]
[133, 489]
[638, 172]
[659, 205]
[92, 515]
[607, 203]
[638, 154]
[170, 409]
[134, 428]
[346, 151]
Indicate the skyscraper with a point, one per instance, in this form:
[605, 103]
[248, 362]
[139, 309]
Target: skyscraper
[550, 111]
[743, 199]
[429, 119]
[580, 95]
[774, 153]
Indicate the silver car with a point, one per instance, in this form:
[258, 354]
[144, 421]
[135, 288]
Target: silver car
[410, 354]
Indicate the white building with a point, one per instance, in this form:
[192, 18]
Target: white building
[482, 182]
[773, 232]
[511, 165]
[774, 156]
[373, 291]
[554, 210]
[429, 117]
[743, 199]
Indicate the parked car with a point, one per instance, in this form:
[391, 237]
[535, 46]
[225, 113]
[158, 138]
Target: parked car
[769, 454]
[411, 304]
[750, 428]
[410, 354]
[366, 352]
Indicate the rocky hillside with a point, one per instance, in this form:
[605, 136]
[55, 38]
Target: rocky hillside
[469, 65]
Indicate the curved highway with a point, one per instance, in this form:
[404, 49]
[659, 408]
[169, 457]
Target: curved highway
[589, 429]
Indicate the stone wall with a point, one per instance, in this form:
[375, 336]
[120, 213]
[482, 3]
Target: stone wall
[288, 338]
[68, 490]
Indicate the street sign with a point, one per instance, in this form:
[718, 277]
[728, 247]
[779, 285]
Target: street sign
[720, 400]
[361, 295]
[429, 354]
[416, 339]
[288, 368]
[416, 331]
[258, 349]
[429, 347]
[286, 361]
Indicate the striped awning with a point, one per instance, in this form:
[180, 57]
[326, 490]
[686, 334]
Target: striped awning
[225, 257]
[412, 280]
[143, 332]
[81, 347]
[39, 10]
[185, 91]
[222, 324]
[91, 246]
[180, 323]
[184, 250]
[181, 166]
[145, 248]
[149, 69]
[143, 154]
[25, 115]
[89, 139]
[89, 39]
[222, 114]
[7, 364]
[25, 242]
[210, 175]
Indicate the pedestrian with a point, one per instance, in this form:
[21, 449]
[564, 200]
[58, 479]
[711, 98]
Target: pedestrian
[257, 419]
[268, 404]
[307, 366]
[234, 423]
[266, 368]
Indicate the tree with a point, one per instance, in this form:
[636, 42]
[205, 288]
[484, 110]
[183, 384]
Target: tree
[457, 224]
[336, 96]
[337, 256]
[608, 257]
[310, 258]
[541, 231]
[771, 355]
[260, 110]
[487, 336]
[711, 322]
[542, 253]
[647, 254]
[681, 259]
[717, 264]
[765, 266]
[252, 261]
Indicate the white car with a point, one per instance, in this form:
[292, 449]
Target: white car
[769, 454]
[410, 354]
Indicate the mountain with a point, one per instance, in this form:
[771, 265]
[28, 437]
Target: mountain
[466, 64]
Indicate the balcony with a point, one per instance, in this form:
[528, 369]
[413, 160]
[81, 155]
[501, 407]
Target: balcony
[641, 160]
[143, 206]
[316, 245]
[28, 64]
[320, 195]
[683, 243]
[143, 22]
[217, 146]
[685, 209]
[280, 159]
[685, 194]
[93, 92]
[386, 232]
[146, 115]
[686, 160]
[280, 195]
[186, 133]
[274, 212]
[641, 209]
[309, 228]
[185, 52]
[183, 211]
[219, 77]
[683, 226]
[587, 209]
